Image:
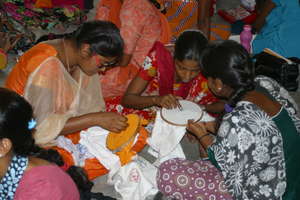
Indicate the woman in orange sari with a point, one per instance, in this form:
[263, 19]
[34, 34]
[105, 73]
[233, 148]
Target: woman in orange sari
[187, 14]
[60, 79]
[141, 24]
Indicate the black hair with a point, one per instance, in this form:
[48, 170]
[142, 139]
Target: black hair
[155, 3]
[15, 114]
[231, 63]
[190, 45]
[103, 37]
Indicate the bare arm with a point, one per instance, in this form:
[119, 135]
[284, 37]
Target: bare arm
[203, 130]
[265, 10]
[107, 120]
[216, 107]
[133, 98]
[125, 60]
[204, 17]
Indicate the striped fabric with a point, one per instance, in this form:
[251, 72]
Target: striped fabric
[183, 14]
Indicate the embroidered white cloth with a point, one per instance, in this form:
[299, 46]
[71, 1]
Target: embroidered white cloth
[94, 139]
[79, 152]
[135, 181]
[165, 137]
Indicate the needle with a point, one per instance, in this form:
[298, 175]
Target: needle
[180, 107]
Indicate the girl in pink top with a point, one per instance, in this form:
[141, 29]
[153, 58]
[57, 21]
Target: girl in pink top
[23, 176]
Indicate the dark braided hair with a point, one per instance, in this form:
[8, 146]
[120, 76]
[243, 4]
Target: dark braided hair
[231, 63]
[15, 113]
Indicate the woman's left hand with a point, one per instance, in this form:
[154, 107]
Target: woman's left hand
[197, 128]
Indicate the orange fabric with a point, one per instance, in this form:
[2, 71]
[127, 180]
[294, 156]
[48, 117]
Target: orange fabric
[183, 15]
[109, 10]
[219, 31]
[43, 4]
[92, 166]
[29, 61]
[166, 33]
[141, 141]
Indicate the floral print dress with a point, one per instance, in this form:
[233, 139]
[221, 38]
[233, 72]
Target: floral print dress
[251, 150]
[196, 90]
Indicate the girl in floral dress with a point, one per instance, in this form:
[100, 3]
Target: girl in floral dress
[256, 147]
[163, 79]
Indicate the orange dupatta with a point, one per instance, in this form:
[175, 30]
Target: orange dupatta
[29, 61]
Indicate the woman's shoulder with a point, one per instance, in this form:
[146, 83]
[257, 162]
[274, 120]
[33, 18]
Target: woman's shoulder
[42, 48]
[42, 180]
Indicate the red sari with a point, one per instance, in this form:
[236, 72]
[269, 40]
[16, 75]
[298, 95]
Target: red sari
[159, 69]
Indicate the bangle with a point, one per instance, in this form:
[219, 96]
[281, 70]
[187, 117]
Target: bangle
[199, 138]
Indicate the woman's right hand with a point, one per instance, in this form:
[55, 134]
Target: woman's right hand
[168, 101]
[111, 121]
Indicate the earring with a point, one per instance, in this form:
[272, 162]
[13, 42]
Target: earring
[219, 89]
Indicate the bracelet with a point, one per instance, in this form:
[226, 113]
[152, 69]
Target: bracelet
[203, 136]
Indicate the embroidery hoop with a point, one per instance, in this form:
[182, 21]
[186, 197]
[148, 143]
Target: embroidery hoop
[190, 110]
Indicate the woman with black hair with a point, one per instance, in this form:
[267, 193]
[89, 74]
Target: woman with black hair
[60, 79]
[22, 175]
[165, 78]
[256, 144]
[27, 171]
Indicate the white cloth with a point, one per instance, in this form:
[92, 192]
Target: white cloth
[79, 152]
[135, 181]
[94, 139]
[165, 137]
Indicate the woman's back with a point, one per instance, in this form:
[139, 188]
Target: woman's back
[259, 147]
[46, 182]
[281, 30]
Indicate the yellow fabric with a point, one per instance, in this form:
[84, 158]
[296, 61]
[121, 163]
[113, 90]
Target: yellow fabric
[123, 142]
[116, 140]
[3, 59]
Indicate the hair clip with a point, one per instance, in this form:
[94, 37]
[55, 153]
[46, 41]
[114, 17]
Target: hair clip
[228, 108]
[31, 124]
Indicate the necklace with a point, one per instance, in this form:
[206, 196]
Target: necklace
[66, 57]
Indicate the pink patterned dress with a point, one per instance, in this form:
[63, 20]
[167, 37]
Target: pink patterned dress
[181, 179]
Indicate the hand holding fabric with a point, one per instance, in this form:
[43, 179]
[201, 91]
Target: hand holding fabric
[168, 101]
[197, 128]
[111, 121]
